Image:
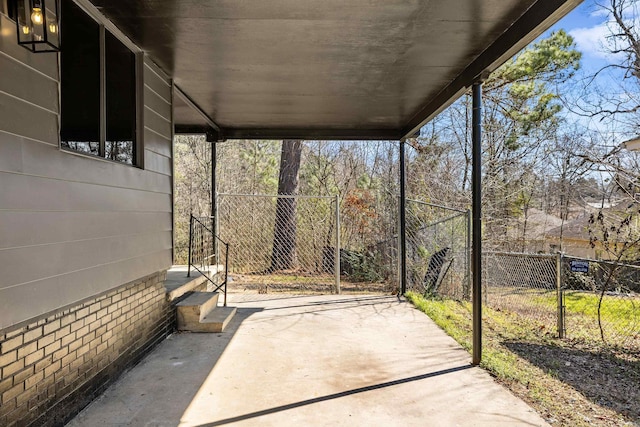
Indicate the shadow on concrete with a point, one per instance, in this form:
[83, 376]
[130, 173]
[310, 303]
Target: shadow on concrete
[334, 396]
[317, 308]
[355, 302]
[275, 367]
[173, 373]
[605, 379]
[248, 298]
[251, 297]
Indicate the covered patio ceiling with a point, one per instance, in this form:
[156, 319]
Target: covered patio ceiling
[331, 69]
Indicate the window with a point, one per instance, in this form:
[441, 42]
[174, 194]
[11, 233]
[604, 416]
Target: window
[98, 89]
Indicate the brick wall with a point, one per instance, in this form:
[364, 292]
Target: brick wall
[54, 366]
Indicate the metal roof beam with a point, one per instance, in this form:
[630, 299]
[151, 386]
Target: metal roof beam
[313, 134]
[529, 26]
[184, 97]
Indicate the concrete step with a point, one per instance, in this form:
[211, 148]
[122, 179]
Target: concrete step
[215, 321]
[193, 308]
[177, 283]
[199, 312]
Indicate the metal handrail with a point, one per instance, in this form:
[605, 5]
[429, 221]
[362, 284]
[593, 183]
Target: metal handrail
[204, 246]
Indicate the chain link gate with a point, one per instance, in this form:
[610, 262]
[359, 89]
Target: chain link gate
[524, 284]
[281, 243]
[602, 300]
[438, 250]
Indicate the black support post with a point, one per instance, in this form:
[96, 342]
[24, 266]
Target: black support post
[403, 223]
[212, 138]
[214, 162]
[476, 188]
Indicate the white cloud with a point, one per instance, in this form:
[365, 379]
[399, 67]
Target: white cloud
[599, 12]
[592, 41]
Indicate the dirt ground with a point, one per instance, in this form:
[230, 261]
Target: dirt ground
[592, 384]
[300, 283]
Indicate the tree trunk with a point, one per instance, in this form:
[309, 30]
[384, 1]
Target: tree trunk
[284, 236]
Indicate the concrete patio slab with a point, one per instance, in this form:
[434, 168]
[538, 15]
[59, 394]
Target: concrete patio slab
[311, 361]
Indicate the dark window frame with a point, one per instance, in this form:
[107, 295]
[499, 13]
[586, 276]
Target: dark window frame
[107, 27]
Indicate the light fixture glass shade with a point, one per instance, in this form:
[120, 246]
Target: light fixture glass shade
[38, 25]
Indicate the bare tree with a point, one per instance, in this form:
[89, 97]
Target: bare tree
[612, 93]
[616, 232]
[192, 177]
[284, 236]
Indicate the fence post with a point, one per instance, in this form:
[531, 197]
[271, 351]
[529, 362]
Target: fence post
[336, 261]
[398, 254]
[216, 232]
[559, 295]
[467, 291]
[190, 244]
[402, 231]
[226, 271]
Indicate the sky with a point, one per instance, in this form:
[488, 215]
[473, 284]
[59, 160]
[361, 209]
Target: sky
[587, 25]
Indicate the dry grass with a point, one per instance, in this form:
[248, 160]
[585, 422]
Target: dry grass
[568, 383]
[620, 316]
[303, 283]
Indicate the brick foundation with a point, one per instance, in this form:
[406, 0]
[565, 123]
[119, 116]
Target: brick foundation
[54, 366]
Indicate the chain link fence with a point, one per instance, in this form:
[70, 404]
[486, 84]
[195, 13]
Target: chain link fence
[594, 302]
[524, 284]
[438, 250]
[602, 301]
[280, 242]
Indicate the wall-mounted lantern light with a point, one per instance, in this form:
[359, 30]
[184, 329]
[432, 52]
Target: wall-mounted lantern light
[38, 25]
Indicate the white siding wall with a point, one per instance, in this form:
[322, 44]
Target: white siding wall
[71, 226]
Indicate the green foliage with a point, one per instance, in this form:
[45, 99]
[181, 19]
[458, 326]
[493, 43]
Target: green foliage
[552, 59]
[521, 118]
[522, 198]
[522, 85]
[452, 316]
[534, 384]
[318, 174]
[367, 182]
[366, 267]
[423, 252]
[615, 310]
[260, 163]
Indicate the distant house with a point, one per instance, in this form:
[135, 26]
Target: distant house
[574, 236]
[534, 230]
